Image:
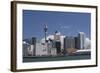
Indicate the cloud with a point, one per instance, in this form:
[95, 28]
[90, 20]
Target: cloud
[78, 30]
[65, 27]
[51, 37]
[87, 43]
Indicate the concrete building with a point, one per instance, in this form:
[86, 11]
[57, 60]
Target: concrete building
[69, 42]
[76, 42]
[52, 37]
[81, 37]
[33, 42]
[25, 48]
[57, 36]
[57, 40]
[52, 51]
[31, 49]
[41, 49]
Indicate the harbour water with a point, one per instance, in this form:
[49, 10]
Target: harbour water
[56, 58]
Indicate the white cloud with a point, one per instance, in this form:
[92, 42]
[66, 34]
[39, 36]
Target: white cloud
[65, 27]
[52, 37]
[87, 43]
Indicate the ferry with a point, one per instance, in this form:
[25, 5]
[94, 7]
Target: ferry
[83, 52]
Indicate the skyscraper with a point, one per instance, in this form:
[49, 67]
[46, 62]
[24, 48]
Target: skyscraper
[32, 48]
[81, 37]
[34, 44]
[76, 42]
[69, 42]
[57, 41]
[69, 45]
[25, 48]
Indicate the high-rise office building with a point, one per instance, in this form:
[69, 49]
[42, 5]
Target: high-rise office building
[32, 48]
[69, 45]
[49, 46]
[81, 37]
[58, 46]
[34, 45]
[76, 42]
[69, 42]
[41, 49]
[57, 41]
[25, 48]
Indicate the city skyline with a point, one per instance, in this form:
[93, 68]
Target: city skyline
[68, 23]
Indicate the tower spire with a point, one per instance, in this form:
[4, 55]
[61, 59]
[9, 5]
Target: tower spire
[45, 31]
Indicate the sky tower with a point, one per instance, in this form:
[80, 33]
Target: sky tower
[45, 31]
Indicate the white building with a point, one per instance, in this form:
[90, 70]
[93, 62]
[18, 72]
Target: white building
[52, 37]
[41, 49]
[81, 37]
[57, 36]
[26, 46]
[30, 50]
[53, 51]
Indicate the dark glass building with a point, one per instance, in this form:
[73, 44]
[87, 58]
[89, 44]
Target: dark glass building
[33, 42]
[77, 42]
[58, 46]
[69, 42]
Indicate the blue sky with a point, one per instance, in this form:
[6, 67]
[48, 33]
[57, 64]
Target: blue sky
[68, 23]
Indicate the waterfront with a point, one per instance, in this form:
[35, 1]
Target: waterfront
[56, 58]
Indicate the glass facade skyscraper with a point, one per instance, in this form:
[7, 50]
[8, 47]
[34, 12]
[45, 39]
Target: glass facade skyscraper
[69, 42]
